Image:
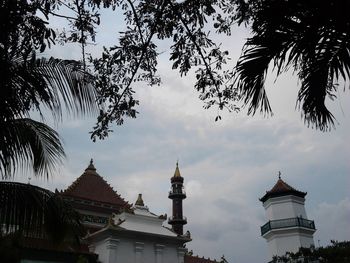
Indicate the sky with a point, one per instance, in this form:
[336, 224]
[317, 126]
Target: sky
[227, 165]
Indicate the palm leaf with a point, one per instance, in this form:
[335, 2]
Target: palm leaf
[26, 143]
[68, 81]
[312, 38]
[37, 213]
[55, 83]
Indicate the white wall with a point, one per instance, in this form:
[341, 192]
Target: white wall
[281, 243]
[140, 251]
[290, 239]
[285, 207]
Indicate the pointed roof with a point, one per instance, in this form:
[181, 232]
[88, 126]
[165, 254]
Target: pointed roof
[281, 188]
[177, 170]
[177, 176]
[91, 186]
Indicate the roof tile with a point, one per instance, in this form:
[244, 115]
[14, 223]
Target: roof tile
[281, 188]
[91, 186]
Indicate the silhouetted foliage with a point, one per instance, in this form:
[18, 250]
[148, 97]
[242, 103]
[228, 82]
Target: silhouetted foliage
[337, 252]
[309, 37]
[134, 57]
[30, 85]
[33, 212]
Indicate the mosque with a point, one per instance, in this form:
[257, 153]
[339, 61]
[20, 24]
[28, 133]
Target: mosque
[119, 232]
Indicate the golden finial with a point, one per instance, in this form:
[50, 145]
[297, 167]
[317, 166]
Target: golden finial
[177, 170]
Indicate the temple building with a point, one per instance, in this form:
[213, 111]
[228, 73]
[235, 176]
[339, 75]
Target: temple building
[287, 228]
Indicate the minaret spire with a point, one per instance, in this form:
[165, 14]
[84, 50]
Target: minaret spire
[177, 194]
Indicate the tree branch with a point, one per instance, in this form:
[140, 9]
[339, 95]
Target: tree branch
[198, 49]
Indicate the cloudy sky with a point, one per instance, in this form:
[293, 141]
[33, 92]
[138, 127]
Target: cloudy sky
[227, 165]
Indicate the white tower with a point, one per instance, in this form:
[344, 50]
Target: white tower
[287, 228]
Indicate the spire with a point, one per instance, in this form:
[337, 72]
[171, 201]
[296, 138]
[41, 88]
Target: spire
[177, 170]
[91, 166]
[139, 201]
[279, 174]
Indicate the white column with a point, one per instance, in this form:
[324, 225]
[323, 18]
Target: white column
[139, 246]
[111, 246]
[159, 252]
[181, 251]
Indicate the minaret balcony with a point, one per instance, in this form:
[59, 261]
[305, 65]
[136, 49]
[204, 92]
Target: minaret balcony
[180, 193]
[174, 220]
[287, 223]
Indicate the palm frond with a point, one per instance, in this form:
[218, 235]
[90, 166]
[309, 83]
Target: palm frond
[26, 143]
[68, 81]
[55, 83]
[312, 38]
[37, 212]
[251, 71]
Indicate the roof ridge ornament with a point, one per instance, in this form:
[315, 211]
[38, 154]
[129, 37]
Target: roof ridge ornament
[279, 174]
[91, 165]
[139, 201]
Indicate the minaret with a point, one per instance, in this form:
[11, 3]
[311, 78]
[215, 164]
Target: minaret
[287, 228]
[177, 194]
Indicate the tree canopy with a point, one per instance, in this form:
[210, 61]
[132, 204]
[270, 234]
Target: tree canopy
[310, 38]
[336, 252]
[30, 84]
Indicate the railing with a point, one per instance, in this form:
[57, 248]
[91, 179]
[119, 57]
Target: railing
[289, 222]
[180, 191]
[175, 219]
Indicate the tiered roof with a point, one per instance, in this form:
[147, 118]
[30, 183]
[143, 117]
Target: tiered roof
[92, 187]
[281, 188]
